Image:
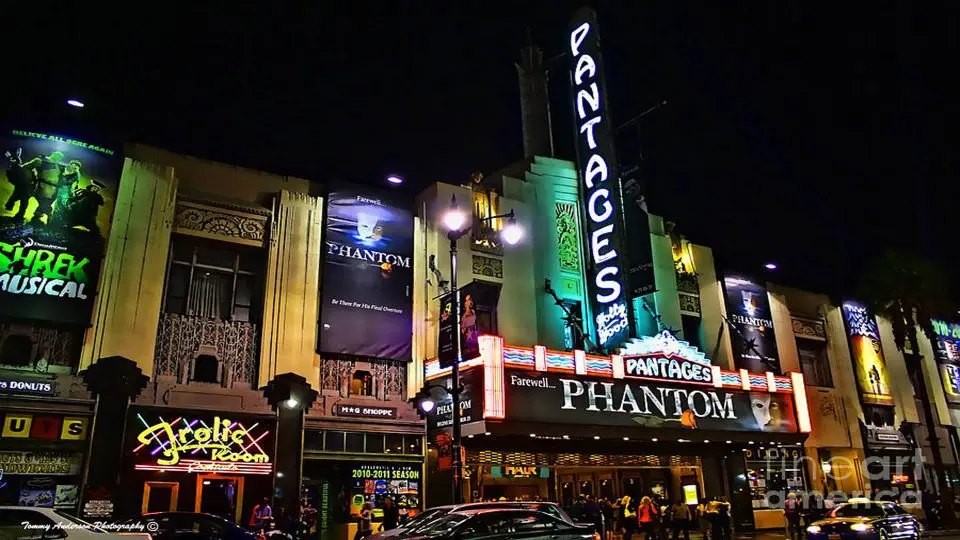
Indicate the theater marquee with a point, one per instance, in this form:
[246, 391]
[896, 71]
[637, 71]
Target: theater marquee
[660, 383]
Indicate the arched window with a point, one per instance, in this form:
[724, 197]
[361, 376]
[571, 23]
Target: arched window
[206, 368]
[16, 350]
[361, 384]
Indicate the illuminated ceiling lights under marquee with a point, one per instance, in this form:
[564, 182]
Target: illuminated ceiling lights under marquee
[220, 445]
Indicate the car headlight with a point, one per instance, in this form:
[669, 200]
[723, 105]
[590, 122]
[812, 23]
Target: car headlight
[813, 529]
[860, 527]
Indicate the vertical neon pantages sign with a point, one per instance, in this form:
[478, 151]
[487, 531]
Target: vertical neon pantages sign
[600, 191]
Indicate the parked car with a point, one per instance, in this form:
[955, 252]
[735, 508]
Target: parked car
[194, 526]
[866, 520]
[423, 519]
[32, 523]
[506, 523]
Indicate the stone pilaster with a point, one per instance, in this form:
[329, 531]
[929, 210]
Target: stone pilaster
[130, 293]
[289, 338]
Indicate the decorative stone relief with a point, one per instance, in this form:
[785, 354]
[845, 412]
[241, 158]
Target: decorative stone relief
[568, 241]
[223, 224]
[487, 266]
[809, 328]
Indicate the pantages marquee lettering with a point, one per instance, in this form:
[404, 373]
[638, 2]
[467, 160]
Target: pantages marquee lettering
[665, 357]
[597, 165]
[376, 257]
[224, 439]
[663, 402]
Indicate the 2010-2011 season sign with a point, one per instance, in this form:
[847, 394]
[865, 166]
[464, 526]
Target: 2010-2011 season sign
[57, 197]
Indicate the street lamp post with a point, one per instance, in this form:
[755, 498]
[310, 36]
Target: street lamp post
[454, 220]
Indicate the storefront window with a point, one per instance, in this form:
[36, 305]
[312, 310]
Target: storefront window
[773, 472]
[359, 442]
[42, 459]
[375, 444]
[355, 442]
[334, 441]
[394, 444]
[413, 444]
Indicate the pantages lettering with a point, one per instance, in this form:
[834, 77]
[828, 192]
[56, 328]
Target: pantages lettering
[663, 402]
[376, 257]
[597, 166]
[26, 269]
[222, 439]
[667, 368]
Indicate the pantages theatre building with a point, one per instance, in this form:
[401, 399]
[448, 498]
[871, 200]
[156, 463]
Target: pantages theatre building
[616, 359]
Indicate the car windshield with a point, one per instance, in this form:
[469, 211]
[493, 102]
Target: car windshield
[443, 524]
[425, 518]
[78, 521]
[858, 510]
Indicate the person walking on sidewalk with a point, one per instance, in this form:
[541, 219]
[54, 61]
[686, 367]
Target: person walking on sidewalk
[680, 520]
[791, 514]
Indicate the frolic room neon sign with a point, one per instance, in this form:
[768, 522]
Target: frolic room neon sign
[600, 193]
[193, 445]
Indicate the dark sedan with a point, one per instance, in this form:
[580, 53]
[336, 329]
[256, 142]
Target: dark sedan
[866, 520]
[193, 526]
[503, 523]
[427, 517]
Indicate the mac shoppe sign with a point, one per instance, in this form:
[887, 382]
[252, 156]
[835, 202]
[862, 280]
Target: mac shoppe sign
[600, 192]
[559, 398]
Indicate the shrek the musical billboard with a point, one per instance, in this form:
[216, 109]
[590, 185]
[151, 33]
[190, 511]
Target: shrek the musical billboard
[56, 203]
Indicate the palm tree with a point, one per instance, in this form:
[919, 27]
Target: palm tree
[909, 290]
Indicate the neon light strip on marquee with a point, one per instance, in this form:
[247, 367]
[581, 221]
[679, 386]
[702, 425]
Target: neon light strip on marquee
[603, 366]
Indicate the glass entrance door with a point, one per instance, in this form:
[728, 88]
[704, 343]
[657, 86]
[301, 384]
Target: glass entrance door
[220, 495]
[160, 497]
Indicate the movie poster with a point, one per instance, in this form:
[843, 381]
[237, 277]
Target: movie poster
[751, 333]
[869, 365]
[447, 330]
[56, 202]
[367, 276]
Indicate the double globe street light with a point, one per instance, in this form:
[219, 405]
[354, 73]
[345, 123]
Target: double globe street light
[455, 221]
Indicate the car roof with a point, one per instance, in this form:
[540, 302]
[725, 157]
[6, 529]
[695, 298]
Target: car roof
[478, 511]
[500, 504]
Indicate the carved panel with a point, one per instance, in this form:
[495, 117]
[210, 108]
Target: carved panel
[568, 239]
[487, 266]
[689, 304]
[221, 224]
[687, 283]
[181, 338]
[809, 328]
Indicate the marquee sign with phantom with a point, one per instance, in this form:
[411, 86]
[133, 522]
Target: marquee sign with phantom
[56, 203]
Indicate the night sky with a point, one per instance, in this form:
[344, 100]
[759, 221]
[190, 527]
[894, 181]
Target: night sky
[793, 132]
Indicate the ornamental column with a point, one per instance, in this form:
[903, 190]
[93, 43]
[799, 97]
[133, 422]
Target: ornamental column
[127, 308]
[291, 293]
[114, 382]
[290, 396]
